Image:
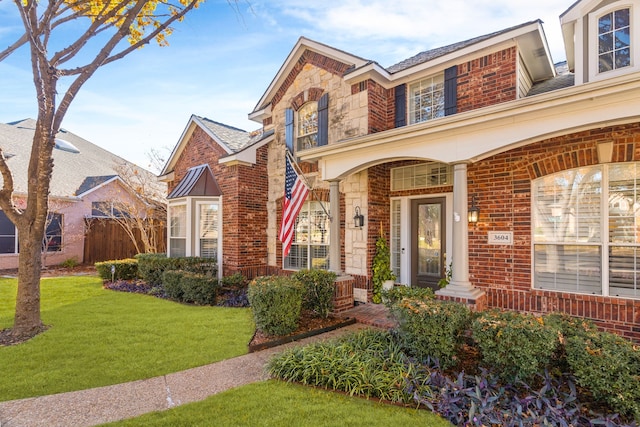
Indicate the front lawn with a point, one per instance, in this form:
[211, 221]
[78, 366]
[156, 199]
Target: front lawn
[99, 337]
[286, 405]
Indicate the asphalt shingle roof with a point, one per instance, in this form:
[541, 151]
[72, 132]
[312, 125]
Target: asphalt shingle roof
[234, 138]
[73, 173]
[432, 54]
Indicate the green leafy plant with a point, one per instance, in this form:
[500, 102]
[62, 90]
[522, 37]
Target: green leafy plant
[234, 281]
[432, 329]
[199, 289]
[381, 267]
[447, 276]
[398, 293]
[124, 269]
[171, 283]
[276, 302]
[319, 287]
[516, 346]
[70, 262]
[609, 366]
[152, 266]
[368, 363]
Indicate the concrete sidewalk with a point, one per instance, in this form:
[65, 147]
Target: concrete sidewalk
[120, 401]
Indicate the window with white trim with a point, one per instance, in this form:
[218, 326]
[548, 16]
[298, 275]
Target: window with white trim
[52, 241]
[586, 230]
[612, 47]
[8, 235]
[310, 247]
[419, 176]
[177, 230]
[207, 230]
[426, 99]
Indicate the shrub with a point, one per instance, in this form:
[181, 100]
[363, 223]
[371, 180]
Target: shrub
[276, 302]
[70, 262]
[608, 366]
[152, 266]
[319, 288]
[397, 293]
[235, 281]
[124, 269]
[431, 328]
[198, 288]
[516, 346]
[171, 282]
[367, 363]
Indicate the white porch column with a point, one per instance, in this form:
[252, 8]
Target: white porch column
[334, 235]
[459, 286]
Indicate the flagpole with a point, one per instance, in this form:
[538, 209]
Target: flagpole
[304, 178]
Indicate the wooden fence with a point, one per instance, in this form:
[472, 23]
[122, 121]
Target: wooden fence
[105, 240]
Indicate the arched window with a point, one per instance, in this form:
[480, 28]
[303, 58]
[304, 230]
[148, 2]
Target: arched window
[307, 126]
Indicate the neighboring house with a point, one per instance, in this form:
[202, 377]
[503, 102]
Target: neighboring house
[547, 157]
[85, 183]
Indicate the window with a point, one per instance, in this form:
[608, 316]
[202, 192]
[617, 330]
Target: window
[177, 230]
[614, 42]
[426, 99]
[423, 175]
[307, 126]
[106, 210]
[8, 234]
[208, 230]
[310, 247]
[52, 241]
[587, 230]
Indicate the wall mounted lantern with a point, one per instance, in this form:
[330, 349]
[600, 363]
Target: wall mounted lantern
[358, 219]
[474, 211]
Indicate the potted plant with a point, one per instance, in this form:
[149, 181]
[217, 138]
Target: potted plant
[383, 277]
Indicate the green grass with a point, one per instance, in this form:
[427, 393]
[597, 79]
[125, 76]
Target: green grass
[99, 337]
[275, 403]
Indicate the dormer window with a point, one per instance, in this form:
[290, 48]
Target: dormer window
[307, 126]
[426, 99]
[614, 41]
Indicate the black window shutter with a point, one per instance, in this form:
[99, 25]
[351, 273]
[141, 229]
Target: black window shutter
[401, 106]
[451, 90]
[288, 129]
[323, 120]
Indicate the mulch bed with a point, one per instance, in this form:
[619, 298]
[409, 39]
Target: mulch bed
[308, 326]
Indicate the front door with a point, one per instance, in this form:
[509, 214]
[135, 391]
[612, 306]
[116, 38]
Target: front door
[427, 242]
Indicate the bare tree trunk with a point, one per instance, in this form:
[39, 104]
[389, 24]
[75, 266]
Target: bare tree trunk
[27, 321]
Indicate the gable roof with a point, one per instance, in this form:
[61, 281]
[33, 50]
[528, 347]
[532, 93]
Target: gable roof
[529, 36]
[231, 139]
[199, 181]
[78, 165]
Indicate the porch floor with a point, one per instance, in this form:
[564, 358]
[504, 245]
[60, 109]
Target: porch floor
[370, 314]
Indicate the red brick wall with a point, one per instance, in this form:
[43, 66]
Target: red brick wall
[487, 80]
[382, 109]
[244, 201]
[502, 185]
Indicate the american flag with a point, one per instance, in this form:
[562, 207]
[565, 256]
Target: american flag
[295, 193]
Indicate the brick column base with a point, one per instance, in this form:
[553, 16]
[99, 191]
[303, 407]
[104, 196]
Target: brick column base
[343, 294]
[477, 304]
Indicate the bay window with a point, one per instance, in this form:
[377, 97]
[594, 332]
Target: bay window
[177, 230]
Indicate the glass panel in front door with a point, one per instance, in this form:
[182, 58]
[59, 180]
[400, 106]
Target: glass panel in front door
[428, 242]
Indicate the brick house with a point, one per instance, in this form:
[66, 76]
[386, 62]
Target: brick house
[548, 157]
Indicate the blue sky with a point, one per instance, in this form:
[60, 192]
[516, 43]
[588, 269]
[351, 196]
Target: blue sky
[221, 60]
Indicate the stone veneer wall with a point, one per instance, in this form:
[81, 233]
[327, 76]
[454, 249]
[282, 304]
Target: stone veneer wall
[502, 185]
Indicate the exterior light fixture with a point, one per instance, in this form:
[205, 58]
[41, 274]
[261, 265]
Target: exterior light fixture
[474, 211]
[358, 219]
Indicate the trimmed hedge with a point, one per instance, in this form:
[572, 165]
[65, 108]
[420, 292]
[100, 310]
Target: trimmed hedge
[125, 269]
[276, 302]
[152, 266]
[319, 287]
[516, 346]
[431, 328]
[398, 293]
[190, 287]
